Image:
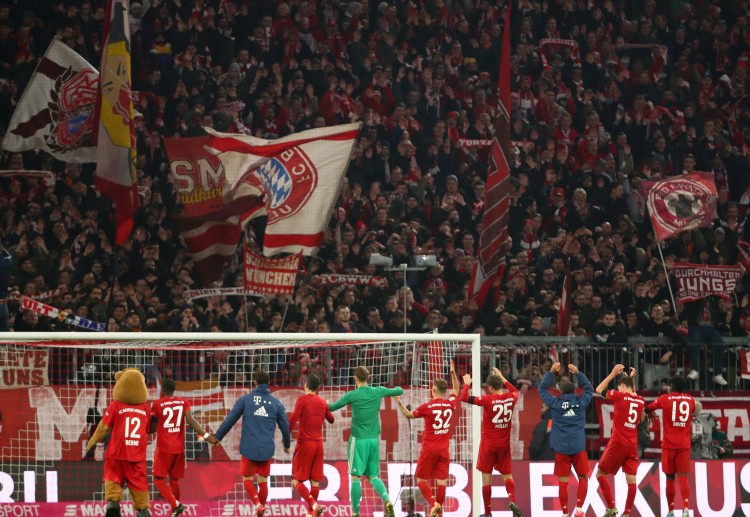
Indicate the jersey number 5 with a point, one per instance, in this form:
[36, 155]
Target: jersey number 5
[442, 418]
[632, 413]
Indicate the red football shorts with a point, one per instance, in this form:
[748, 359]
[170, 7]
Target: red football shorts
[580, 463]
[675, 461]
[307, 462]
[249, 468]
[168, 464]
[493, 456]
[433, 464]
[617, 456]
[122, 472]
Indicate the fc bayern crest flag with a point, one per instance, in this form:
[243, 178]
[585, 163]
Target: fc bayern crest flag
[225, 179]
[56, 111]
[681, 203]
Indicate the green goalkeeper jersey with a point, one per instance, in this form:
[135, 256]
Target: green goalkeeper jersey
[365, 403]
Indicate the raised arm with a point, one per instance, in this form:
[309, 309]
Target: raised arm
[390, 392]
[508, 385]
[617, 370]
[545, 385]
[454, 379]
[583, 382]
[404, 410]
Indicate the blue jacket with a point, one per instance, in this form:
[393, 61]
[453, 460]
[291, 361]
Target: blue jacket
[568, 415]
[261, 413]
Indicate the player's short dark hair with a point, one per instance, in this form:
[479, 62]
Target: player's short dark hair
[494, 381]
[361, 373]
[677, 384]
[566, 387]
[313, 382]
[168, 387]
[627, 380]
[262, 377]
[440, 385]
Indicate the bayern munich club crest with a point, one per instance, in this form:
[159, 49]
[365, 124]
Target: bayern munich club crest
[681, 202]
[73, 108]
[289, 180]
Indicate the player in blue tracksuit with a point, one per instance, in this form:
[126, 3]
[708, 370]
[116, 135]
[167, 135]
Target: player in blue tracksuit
[261, 413]
[568, 436]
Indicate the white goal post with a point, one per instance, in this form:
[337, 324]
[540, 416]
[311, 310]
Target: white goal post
[71, 369]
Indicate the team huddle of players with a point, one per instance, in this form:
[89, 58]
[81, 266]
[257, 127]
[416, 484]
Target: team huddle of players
[262, 413]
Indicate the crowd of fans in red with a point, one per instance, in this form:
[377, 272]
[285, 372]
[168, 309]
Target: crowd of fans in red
[654, 89]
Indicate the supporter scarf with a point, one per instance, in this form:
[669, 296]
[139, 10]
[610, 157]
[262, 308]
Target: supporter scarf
[64, 316]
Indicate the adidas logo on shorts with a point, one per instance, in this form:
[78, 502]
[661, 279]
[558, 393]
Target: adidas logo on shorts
[570, 412]
[261, 411]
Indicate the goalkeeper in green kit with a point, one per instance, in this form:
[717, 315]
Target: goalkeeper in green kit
[364, 441]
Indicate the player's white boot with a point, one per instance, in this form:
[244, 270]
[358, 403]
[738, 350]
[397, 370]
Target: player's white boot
[317, 510]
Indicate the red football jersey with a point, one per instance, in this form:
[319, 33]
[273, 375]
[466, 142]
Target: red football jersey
[626, 417]
[438, 415]
[677, 419]
[170, 423]
[497, 414]
[129, 431]
[312, 412]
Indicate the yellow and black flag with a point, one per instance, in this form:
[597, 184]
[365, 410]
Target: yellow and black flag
[115, 154]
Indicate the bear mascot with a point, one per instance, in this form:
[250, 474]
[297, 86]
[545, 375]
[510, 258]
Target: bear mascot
[127, 422]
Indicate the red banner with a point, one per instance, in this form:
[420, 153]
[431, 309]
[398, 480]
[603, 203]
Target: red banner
[23, 367]
[270, 276]
[696, 281]
[681, 203]
[732, 416]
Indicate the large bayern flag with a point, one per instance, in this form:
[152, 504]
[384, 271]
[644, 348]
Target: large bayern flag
[493, 240]
[115, 153]
[56, 111]
[223, 180]
[681, 203]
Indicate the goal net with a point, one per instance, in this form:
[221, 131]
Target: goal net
[54, 388]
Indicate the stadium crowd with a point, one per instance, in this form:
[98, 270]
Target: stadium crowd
[655, 89]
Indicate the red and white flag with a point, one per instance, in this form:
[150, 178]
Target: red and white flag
[494, 240]
[115, 151]
[697, 281]
[270, 276]
[223, 180]
[681, 203]
[56, 111]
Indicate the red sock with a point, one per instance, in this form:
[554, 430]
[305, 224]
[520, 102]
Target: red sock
[487, 499]
[583, 488]
[670, 493]
[606, 491]
[510, 486]
[314, 491]
[175, 484]
[440, 497]
[251, 491]
[263, 492]
[563, 491]
[166, 492]
[684, 491]
[305, 493]
[426, 490]
[631, 498]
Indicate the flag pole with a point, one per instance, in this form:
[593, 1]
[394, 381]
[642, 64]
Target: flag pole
[666, 273]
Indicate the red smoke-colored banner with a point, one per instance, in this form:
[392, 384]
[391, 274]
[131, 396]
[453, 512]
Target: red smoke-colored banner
[270, 276]
[696, 281]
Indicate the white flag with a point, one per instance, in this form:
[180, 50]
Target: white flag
[56, 111]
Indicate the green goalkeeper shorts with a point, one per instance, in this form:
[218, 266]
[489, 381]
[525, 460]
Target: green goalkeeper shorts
[364, 456]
